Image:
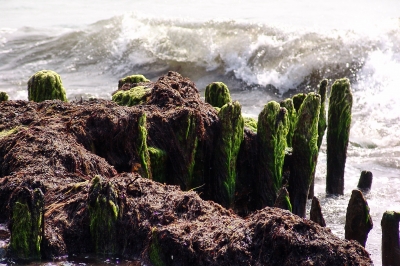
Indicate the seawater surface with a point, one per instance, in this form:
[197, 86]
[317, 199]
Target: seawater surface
[251, 45]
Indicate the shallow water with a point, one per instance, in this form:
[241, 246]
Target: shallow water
[249, 45]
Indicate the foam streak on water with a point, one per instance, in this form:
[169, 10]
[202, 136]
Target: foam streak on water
[261, 49]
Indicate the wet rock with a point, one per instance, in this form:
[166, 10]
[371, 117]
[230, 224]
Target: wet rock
[358, 219]
[316, 212]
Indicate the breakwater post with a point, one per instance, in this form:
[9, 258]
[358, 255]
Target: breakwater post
[316, 212]
[3, 96]
[365, 181]
[217, 94]
[339, 119]
[46, 85]
[390, 238]
[305, 153]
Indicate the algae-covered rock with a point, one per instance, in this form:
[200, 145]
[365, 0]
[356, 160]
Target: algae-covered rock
[273, 127]
[217, 94]
[103, 212]
[134, 96]
[26, 224]
[3, 96]
[358, 219]
[226, 152]
[132, 79]
[305, 153]
[337, 138]
[46, 85]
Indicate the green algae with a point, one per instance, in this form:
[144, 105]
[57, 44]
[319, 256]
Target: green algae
[217, 94]
[27, 225]
[292, 116]
[272, 130]
[250, 123]
[155, 249]
[137, 78]
[305, 152]
[298, 100]
[141, 147]
[283, 200]
[158, 159]
[134, 96]
[3, 96]
[8, 132]
[103, 213]
[46, 85]
[339, 120]
[226, 151]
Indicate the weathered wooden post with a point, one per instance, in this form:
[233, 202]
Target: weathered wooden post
[339, 120]
[305, 153]
[3, 96]
[283, 200]
[217, 94]
[226, 152]
[272, 129]
[46, 85]
[390, 238]
[103, 215]
[26, 223]
[316, 212]
[365, 181]
[358, 220]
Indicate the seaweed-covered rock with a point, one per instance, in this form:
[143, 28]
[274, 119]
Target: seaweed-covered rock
[134, 96]
[272, 129]
[217, 94]
[337, 138]
[46, 85]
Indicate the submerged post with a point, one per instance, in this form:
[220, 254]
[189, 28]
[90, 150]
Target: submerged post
[46, 85]
[272, 129]
[365, 181]
[390, 238]
[339, 119]
[305, 153]
[226, 152]
[358, 220]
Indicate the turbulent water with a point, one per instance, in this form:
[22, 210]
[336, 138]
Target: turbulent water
[262, 51]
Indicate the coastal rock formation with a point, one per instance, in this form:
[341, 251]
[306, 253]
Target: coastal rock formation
[92, 163]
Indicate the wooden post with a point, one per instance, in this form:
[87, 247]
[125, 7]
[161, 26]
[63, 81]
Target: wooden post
[390, 239]
[316, 212]
[365, 181]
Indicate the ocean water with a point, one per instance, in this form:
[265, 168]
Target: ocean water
[263, 50]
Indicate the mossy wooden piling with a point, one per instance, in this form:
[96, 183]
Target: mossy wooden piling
[339, 120]
[3, 96]
[305, 153]
[46, 85]
[132, 79]
[217, 94]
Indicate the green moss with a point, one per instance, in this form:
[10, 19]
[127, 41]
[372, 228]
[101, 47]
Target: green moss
[8, 132]
[322, 124]
[46, 85]
[305, 152]
[272, 130]
[339, 120]
[141, 146]
[250, 123]
[134, 96]
[292, 119]
[158, 159]
[298, 100]
[132, 79]
[103, 213]
[227, 149]
[3, 96]
[217, 94]
[288, 204]
[155, 249]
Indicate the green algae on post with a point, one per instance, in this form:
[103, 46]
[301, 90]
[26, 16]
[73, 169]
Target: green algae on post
[305, 153]
[134, 96]
[217, 94]
[250, 123]
[358, 220]
[390, 238]
[226, 152]
[141, 147]
[292, 116]
[155, 253]
[132, 79]
[283, 200]
[46, 85]
[298, 100]
[339, 120]
[103, 213]
[3, 96]
[158, 159]
[26, 224]
[272, 130]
